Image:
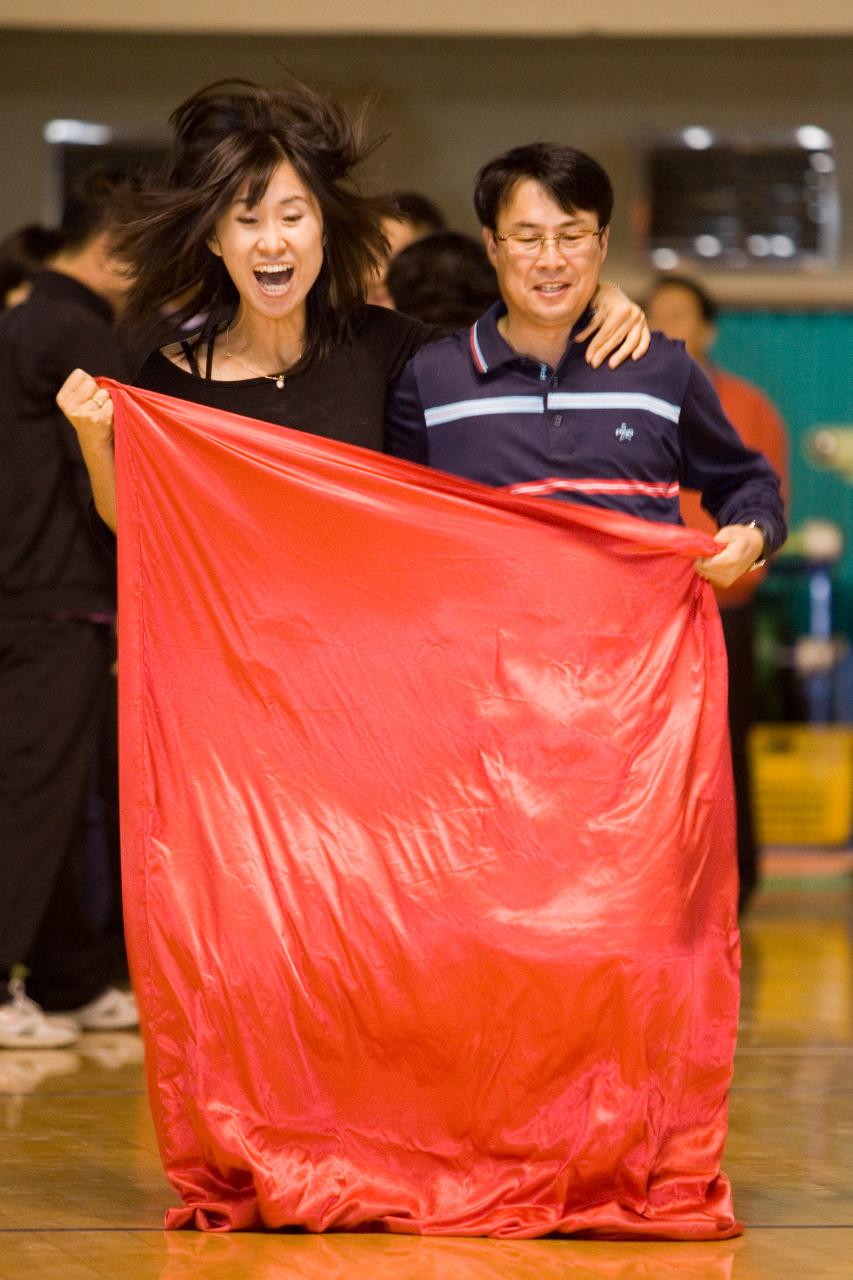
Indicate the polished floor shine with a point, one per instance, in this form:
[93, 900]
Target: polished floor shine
[83, 1194]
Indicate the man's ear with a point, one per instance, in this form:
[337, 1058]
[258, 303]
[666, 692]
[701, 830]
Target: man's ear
[604, 241]
[491, 245]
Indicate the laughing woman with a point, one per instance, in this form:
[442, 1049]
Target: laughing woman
[258, 230]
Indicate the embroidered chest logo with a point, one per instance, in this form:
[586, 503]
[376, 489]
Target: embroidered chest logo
[624, 432]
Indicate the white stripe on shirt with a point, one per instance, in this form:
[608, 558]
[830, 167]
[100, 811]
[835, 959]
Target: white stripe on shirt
[614, 400]
[481, 407]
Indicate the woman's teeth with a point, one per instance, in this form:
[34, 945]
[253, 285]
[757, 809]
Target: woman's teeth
[273, 279]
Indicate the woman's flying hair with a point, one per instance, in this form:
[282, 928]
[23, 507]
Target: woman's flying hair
[227, 135]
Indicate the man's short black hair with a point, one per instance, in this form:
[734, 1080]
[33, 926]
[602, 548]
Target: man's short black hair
[95, 203]
[24, 253]
[418, 210]
[572, 178]
[704, 301]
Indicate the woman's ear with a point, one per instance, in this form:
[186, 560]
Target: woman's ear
[213, 246]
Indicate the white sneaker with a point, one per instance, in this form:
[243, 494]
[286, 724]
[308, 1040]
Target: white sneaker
[112, 1010]
[25, 1025]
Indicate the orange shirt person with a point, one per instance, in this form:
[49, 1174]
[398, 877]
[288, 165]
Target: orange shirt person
[681, 308]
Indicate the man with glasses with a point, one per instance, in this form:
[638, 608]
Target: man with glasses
[512, 401]
[646, 910]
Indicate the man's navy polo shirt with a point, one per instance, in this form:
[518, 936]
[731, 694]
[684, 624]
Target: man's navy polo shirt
[625, 438]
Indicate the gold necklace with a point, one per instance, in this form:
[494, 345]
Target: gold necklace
[277, 378]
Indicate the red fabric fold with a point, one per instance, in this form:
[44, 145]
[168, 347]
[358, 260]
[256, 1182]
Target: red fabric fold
[429, 843]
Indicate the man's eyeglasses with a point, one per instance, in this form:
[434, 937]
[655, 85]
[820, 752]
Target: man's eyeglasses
[566, 243]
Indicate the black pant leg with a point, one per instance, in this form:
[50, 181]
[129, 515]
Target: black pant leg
[738, 632]
[52, 678]
[106, 798]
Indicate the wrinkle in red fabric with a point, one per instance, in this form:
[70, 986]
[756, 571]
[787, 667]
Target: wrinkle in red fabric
[428, 841]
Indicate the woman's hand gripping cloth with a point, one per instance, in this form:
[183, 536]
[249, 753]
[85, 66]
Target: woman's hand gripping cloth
[429, 843]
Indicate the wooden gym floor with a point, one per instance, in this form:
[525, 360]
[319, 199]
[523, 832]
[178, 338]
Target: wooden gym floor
[82, 1194]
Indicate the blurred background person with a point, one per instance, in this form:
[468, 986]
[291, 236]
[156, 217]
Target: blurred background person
[683, 308]
[22, 255]
[57, 613]
[414, 216]
[444, 279]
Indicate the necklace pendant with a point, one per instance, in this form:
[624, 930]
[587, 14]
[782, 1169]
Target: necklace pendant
[279, 382]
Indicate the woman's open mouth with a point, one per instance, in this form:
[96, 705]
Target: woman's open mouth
[274, 278]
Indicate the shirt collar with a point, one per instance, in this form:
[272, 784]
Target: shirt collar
[56, 284]
[489, 349]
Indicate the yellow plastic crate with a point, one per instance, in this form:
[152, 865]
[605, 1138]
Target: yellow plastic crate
[802, 783]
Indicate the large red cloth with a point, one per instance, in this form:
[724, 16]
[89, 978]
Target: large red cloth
[428, 840]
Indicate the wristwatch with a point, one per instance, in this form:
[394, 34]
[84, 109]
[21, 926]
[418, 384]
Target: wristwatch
[765, 546]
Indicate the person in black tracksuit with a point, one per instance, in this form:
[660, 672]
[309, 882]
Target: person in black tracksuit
[57, 608]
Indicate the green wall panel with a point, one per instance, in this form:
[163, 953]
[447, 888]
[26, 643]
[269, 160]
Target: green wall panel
[805, 363]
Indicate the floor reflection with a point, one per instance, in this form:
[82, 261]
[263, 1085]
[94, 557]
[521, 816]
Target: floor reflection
[84, 1193]
[24, 1072]
[365, 1257]
[797, 980]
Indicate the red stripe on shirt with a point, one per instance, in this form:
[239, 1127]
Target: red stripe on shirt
[647, 488]
[472, 342]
